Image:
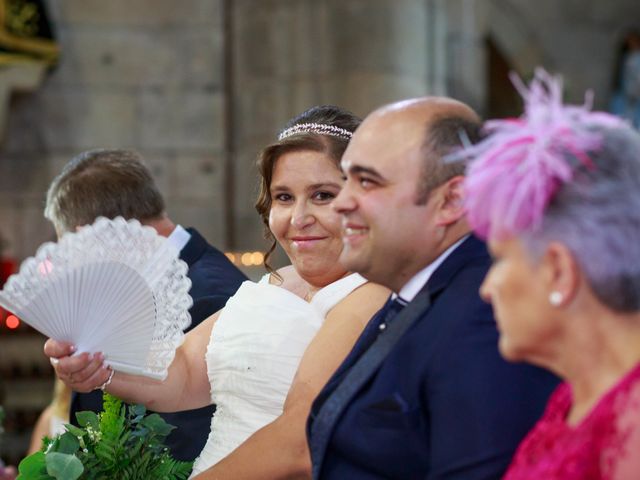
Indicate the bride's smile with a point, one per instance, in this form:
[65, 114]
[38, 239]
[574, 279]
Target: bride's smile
[301, 218]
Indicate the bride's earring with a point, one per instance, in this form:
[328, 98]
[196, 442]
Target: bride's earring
[555, 298]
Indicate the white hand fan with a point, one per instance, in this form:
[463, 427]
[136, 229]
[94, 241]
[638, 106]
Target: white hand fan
[115, 287]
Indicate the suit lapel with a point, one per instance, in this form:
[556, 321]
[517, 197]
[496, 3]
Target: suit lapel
[369, 362]
[469, 250]
[360, 372]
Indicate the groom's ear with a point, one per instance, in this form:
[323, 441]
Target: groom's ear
[450, 199]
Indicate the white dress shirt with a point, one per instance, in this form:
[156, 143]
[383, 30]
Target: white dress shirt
[179, 237]
[410, 289]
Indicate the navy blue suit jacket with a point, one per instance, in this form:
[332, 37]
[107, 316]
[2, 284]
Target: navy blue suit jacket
[443, 404]
[213, 280]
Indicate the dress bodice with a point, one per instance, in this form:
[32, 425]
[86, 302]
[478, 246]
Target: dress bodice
[253, 354]
[590, 450]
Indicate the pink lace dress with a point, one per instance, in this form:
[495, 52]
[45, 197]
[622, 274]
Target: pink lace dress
[605, 445]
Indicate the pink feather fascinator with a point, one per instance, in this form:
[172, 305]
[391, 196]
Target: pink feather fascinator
[517, 169]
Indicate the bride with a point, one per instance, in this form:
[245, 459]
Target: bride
[265, 356]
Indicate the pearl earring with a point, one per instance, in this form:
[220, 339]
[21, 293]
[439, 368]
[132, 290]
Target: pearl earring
[555, 298]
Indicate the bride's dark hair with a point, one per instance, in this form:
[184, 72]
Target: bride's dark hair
[306, 138]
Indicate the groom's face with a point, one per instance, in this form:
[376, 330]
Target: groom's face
[386, 233]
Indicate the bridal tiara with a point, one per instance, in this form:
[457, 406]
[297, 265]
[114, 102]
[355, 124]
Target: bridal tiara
[318, 128]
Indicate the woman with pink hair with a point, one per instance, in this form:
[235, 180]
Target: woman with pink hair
[557, 194]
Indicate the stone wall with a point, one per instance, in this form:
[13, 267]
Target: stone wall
[150, 74]
[136, 74]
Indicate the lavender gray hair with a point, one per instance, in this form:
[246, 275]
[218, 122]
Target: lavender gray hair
[597, 216]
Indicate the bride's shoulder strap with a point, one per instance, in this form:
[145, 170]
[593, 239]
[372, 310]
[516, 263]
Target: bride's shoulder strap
[350, 294]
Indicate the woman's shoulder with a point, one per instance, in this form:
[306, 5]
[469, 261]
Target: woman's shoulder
[364, 301]
[368, 291]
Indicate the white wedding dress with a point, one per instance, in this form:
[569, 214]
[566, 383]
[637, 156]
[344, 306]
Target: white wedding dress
[254, 351]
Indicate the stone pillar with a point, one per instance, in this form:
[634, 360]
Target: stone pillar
[466, 69]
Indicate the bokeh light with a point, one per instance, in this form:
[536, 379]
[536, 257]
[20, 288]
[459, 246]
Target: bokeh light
[12, 322]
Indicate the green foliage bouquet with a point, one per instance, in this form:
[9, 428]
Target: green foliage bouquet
[121, 442]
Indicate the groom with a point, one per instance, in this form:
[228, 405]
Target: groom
[113, 183]
[424, 392]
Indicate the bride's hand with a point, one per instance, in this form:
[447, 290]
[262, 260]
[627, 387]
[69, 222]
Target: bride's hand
[7, 473]
[83, 373]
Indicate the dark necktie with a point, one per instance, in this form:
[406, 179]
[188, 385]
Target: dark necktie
[378, 324]
[369, 358]
[393, 307]
[371, 332]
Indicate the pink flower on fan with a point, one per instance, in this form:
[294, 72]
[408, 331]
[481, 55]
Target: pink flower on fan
[45, 267]
[518, 168]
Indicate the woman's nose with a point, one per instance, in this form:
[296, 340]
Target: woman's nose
[301, 216]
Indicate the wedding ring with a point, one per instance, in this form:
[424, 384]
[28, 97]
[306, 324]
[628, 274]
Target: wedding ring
[54, 361]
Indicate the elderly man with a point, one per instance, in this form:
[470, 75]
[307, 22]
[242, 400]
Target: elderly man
[113, 183]
[424, 393]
